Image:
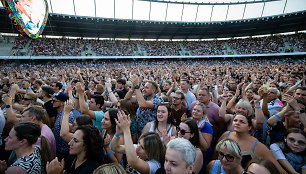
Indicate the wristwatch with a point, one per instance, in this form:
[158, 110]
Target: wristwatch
[137, 87]
[8, 106]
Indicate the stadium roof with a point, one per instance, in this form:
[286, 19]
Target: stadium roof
[168, 19]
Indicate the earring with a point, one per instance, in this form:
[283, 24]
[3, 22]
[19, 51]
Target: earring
[285, 140]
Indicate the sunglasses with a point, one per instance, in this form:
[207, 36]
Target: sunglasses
[27, 99]
[182, 131]
[300, 142]
[228, 157]
[197, 110]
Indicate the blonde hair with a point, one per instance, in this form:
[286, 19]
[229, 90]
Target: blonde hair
[204, 110]
[231, 145]
[113, 168]
[247, 105]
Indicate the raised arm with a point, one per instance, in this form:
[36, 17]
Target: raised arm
[259, 115]
[11, 115]
[64, 133]
[83, 106]
[222, 110]
[140, 165]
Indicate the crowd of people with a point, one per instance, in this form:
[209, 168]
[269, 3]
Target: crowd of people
[159, 116]
[74, 47]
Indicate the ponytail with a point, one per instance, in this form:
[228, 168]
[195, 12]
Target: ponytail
[45, 151]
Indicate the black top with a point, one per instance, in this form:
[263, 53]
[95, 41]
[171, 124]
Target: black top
[50, 110]
[86, 167]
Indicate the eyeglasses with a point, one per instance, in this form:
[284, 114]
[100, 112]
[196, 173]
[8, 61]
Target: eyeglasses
[197, 110]
[300, 142]
[182, 131]
[228, 157]
[26, 99]
[55, 101]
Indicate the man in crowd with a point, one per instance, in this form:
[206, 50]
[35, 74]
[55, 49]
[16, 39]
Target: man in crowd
[178, 107]
[148, 102]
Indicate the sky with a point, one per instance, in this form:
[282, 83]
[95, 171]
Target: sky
[156, 11]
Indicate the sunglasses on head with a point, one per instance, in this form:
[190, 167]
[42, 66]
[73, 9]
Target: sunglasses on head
[182, 131]
[300, 142]
[228, 157]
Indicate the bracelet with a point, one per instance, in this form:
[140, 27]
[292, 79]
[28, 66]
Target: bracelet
[176, 88]
[257, 107]
[252, 81]
[116, 135]
[234, 97]
[277, 116]
[110, 153]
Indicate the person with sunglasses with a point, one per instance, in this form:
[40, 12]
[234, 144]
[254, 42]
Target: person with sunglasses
[291, 153]
[229, 154]
[188, 129]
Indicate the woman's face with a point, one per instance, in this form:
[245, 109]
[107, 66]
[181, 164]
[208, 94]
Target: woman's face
[256, 169]
[175, 164]
[296, 142]
[249, 93]
[184, 129]
[141, 151]
[197, 112]
[106, 123]
[162, 113]
[241, 110]
[240, 124]
[76, 143]
[294, 120]
[227, 160]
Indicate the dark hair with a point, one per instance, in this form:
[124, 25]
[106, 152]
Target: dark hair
[112, 116]
[153, 146]
[83, 120]
[249, 119]
[265, 163]
[59, 85]
[39, 82]
[180, 93]
[192, 124]
[98, 99]
[93, 143]
[122, 81]
[169, 120]
[31, 132]
[128, 107]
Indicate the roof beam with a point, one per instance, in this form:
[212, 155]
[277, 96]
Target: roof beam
[209, 3]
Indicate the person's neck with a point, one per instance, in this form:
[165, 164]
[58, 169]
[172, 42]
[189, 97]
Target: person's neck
[162, 124]
[198, 120]
[177, 107]
[149, 97]
[24, 151]
[59, 109]
[81, 158]
[205, 103]
[236, 170]
[110, 132]
[242, 135]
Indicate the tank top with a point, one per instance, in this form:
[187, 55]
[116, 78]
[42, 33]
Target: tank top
[246, 155]
[169, 131]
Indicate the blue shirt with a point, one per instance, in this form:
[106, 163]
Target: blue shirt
[98, 122]
[145, 115]
[61, 145]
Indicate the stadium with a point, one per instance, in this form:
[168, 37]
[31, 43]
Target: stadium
[193, 86]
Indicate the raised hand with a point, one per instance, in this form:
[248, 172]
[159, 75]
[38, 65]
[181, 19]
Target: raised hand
[123, 121]
[68, 106]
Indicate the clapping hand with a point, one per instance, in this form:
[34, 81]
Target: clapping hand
[123, 121]
[55, 167]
